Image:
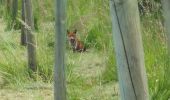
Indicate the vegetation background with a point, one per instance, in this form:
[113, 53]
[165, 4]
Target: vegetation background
[90, 75]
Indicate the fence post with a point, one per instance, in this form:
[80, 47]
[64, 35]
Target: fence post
[59, 71]
[31, 44]
[14, 11]
[23, 29]
[129, 50]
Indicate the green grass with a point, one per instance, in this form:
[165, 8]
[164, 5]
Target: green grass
[91, 75]
[156, 59]
[83, 76]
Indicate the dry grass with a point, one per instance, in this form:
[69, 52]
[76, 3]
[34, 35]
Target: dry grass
[84, 72]
[26, 94]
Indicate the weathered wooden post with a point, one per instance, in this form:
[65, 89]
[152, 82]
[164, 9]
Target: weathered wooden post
[166, 14]
[14, 10]
[129, 50]
[23, 29]
[31, 45]
[59, 71]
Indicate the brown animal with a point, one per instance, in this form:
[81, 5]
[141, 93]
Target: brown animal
[75, 43]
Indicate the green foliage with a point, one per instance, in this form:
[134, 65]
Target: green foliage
[10, 15]
[90, 72]
[12, 65]
[156, 58]
[110, 72]
[1, 8]
[96, 38]
[36, 14]
[11, 18]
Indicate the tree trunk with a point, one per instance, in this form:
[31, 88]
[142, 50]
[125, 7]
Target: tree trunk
[129, 50]
[23, 29]
[31, 45]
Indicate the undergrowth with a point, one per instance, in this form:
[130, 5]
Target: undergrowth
[87, 73]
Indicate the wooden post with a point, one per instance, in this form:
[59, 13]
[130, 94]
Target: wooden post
[14, 10]
[129, 50]
[166, 14]
[23, 30]
[59, 71]
[31, 45]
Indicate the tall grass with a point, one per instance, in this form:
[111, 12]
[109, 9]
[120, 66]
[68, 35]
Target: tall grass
[156, 58]
[91, 72]
[13, 61]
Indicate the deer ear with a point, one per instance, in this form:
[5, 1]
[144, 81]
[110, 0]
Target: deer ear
[75, 31]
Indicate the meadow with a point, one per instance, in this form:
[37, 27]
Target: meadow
[91, 75]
